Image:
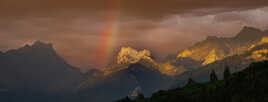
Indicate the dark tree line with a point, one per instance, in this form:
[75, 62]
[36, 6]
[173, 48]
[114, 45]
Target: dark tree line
[249, 85]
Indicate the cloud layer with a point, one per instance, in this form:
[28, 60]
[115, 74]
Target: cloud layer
[74, 27]
[137, 8]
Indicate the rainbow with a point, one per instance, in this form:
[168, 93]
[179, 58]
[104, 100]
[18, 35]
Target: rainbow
[108, 35]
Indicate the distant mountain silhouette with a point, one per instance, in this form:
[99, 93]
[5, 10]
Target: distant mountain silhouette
[124, 82]
[249, 34]
[37, 68]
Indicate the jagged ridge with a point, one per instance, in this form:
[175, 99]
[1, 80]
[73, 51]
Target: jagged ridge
[215, 49]
[37, 68]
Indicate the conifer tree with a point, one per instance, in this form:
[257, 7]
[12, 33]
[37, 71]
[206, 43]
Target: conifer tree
[126, 99]
[227, 73]
[213, 76]
[191, 81]
[140, 96]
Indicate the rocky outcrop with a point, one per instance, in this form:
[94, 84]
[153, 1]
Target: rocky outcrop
[214, 49]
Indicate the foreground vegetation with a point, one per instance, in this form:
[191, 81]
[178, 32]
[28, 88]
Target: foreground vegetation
[249, 85]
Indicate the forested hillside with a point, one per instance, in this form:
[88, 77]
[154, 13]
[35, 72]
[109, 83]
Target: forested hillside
[249, 85]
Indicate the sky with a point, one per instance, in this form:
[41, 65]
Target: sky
[88, 33]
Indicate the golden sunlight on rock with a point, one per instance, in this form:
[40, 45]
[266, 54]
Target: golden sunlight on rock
[129, 55]
[185, 53]
[259, 55]
[264, 40]
[168, 69]
[212, 57]
[209, 52]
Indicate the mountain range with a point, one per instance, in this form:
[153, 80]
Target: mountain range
[214, 48]
[214, 53]
[250, 45]
[38, 69]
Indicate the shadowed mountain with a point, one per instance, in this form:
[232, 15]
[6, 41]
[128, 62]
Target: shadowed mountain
[124, 82]
[188, 63]
[249, 34]
[249, 85]
[37, 68]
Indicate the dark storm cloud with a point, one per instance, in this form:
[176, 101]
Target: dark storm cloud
[134, 8]
[163, 26]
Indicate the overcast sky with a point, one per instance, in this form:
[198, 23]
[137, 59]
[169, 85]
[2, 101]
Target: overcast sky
[163, 26]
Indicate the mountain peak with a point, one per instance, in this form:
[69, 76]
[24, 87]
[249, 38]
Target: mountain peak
[37, 47]
[41, 44]
[210, 38]
[249, 28]
[249, 33]
[215, 48]
[130, 55]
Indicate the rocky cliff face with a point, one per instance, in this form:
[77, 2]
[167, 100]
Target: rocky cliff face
[258, 52]
[133, 69]
[215, 49]
[128, 55]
